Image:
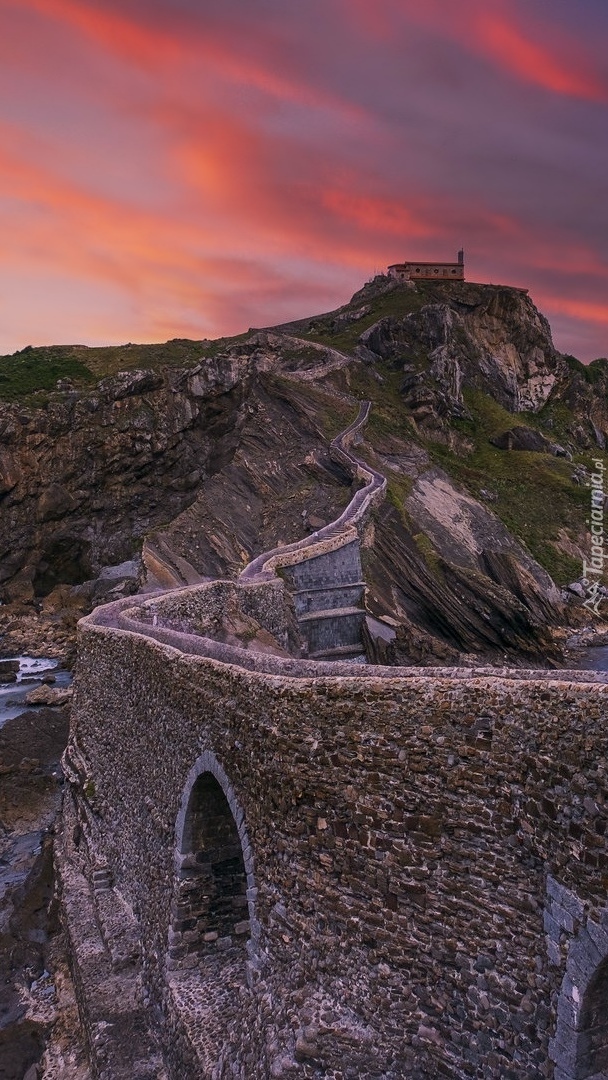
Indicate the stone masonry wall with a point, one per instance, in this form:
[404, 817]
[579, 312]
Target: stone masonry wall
[328, 596]
[339, 567]
[407, 837]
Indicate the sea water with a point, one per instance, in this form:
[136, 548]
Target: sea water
[30, 675]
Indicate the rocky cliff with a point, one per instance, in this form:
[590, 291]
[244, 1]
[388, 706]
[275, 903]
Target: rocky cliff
[209, 457]
[84, 478]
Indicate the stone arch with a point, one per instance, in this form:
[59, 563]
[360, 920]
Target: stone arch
[592, 1043]
[580, 1047]
[213, 907]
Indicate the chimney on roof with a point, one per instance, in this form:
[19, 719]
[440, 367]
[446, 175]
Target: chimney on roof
[461, 257]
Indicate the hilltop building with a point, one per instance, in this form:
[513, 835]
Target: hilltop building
[429, 271]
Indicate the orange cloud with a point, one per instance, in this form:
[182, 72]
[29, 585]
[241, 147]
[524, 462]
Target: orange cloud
[223, 205]
[270, 190]
[494, 35]
[142, 45]
[194, 272]
[588, 311]
[372, 213]
[94, 236]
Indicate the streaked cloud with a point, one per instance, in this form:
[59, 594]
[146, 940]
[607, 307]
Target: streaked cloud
[186, 169]
[532, 61]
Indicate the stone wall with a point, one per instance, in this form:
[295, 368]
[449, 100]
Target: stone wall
[339, 532]
[426, 853]
[329, 598]
[421, 271]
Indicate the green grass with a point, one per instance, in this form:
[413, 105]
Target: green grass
[536, 496]
[388, 416]
[302, 357]
[397, 303]
[593, 372]
[33, 373]
[398, 487]
[429, 554]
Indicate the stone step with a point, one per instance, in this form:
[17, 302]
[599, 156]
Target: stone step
[331, 613]
[328, 597]
[326, 587]
[340, 652]
[332, 628]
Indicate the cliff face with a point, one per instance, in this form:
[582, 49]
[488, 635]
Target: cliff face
[208, 463]
[480, 337]
[84, 479]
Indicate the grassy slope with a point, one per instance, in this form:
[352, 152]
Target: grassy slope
[536, 496]
[397, 303]
[31, 374]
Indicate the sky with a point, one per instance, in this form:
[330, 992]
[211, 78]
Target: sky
[191, 168]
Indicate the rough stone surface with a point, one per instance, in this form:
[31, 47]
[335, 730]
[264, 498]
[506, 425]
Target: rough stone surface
[49, 695]
[419, 847]
[487, 337]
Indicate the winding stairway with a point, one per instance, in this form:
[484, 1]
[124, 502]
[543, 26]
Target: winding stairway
[323, 572]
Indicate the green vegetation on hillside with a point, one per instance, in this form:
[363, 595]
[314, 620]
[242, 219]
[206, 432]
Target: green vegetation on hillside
[532, 493]
[329, 330]
[591, 373]
[35, 371]
[32, 373]
[535, 494]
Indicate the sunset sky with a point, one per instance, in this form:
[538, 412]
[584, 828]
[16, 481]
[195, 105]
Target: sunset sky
[190, 168]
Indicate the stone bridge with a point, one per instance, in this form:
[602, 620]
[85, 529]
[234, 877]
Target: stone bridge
[272, 867]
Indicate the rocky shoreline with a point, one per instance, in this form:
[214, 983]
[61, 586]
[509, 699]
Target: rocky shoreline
[39, 1029]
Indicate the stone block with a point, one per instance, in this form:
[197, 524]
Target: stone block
[551, 926]
[598, 934]
[565, 898]
[554, 952]
[563, 917]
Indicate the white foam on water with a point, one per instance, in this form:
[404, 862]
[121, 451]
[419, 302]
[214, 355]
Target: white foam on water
[32, 665]
[31, 668]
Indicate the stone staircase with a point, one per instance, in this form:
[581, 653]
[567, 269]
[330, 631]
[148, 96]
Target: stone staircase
[323, 571]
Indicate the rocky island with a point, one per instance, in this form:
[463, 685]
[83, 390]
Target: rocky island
[322, 754]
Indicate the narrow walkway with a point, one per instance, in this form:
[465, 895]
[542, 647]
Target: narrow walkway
[336, 359]
[208, 999]
[323, 571]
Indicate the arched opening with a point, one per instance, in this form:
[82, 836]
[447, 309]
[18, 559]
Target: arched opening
[210, 911]
[213, 933]
[592, 1043]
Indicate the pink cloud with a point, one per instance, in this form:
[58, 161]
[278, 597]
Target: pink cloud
[210, 168]
[529, 60]
[157, 51]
